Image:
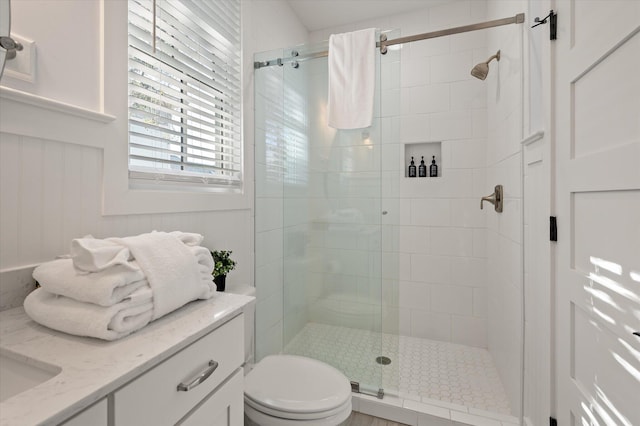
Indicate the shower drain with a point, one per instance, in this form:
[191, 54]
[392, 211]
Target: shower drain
[383, 360]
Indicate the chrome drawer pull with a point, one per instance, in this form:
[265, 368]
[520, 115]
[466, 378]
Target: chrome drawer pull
[201, 378]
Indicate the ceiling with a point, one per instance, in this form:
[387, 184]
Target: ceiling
[320, 14]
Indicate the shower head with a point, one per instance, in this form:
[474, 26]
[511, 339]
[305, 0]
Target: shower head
[482, 69]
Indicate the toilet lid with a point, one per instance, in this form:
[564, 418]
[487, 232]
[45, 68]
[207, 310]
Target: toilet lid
[295, 384]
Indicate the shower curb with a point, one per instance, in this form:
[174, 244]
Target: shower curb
[415, 413]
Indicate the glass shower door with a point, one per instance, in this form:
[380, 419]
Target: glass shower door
[331, 229]
[326, 214]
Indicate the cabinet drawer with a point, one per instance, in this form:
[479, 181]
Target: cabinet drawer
[154, 398]
[224, 407]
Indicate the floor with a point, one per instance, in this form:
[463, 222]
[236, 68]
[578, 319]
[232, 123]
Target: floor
[359, 419]
[420, 369]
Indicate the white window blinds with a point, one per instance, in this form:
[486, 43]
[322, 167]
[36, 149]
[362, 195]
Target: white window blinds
[184, 91]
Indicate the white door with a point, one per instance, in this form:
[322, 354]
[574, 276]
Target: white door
[597, 140]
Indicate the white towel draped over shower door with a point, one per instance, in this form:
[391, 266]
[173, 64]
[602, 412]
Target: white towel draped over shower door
[352, 73]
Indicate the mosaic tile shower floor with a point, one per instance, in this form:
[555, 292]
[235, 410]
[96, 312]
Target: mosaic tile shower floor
[420, 369]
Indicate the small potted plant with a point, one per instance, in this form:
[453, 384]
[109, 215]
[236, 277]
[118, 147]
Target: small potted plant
[223, 264]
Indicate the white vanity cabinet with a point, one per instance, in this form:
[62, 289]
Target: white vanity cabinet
[201, 384]
[135, 380]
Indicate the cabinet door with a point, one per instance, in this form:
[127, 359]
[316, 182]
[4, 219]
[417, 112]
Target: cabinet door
[96, 415]
[223, 407]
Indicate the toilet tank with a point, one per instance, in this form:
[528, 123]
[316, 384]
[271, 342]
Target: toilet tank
[249, 311]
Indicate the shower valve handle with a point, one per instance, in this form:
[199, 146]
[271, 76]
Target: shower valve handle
[495, 199]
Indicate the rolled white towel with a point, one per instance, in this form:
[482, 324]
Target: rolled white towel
[105, 288]
[86, 319]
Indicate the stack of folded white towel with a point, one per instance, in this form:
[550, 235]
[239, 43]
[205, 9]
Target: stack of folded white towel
[112, 287]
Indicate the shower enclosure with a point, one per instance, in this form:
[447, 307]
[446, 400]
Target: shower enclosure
[395, 281]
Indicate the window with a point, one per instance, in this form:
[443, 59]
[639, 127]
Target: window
[184, 92]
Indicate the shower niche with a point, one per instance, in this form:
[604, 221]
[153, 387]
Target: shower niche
[428, 150]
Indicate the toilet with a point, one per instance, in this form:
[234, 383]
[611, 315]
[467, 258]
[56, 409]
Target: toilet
[288, 389]
[294, 390]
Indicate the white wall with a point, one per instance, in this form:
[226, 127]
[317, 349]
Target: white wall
[52, 150]
[430, 96]
[67, 49]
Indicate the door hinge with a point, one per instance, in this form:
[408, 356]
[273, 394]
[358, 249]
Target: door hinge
[553, 422]
[553, 229]
[553, 25]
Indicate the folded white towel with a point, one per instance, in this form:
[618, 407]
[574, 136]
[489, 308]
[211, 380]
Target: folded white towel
[173, 271]
[86, 319]
[105, 288]
[351, 79]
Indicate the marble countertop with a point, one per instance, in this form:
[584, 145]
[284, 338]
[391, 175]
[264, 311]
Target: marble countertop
[92, 368]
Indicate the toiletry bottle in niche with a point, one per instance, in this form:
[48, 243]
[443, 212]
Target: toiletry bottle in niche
[422, 168]
[412, 168]
[433, 168]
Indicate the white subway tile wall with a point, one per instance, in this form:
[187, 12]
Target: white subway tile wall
[504, 166]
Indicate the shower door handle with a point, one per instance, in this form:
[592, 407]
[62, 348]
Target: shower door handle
[495, 199]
